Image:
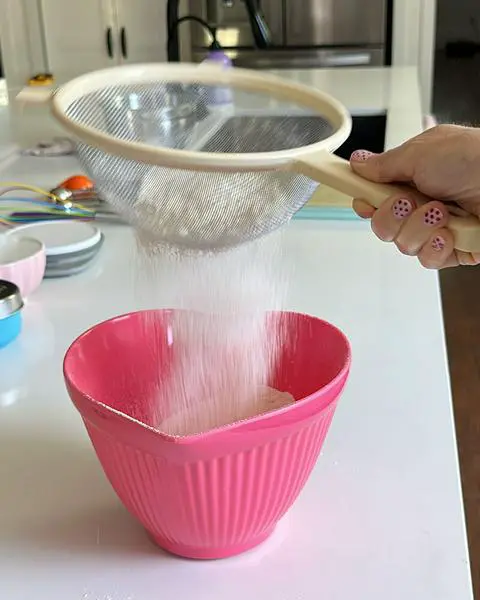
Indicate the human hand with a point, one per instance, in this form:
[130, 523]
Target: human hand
[442, 163]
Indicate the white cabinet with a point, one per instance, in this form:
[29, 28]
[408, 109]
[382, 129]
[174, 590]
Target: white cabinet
[76, 36]
[142, 30]
[84, 35]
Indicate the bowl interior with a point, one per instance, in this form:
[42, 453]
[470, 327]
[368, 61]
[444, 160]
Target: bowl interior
[16, 249]
[122, 362]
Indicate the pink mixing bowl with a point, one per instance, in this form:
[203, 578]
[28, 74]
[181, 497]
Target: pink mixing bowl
[22, 261]
[219, 493]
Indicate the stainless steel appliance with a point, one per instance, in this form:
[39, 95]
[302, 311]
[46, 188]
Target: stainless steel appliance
[304, 33]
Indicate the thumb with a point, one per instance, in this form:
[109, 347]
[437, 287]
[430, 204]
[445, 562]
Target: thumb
[394, 165]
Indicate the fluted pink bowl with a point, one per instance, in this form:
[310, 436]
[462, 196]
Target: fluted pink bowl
[219, 493]
[22, 261]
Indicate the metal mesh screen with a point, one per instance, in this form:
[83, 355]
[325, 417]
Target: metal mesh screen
[198, 209]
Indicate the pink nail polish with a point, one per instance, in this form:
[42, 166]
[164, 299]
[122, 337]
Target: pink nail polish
[361, 155]
[402, 208]
[433, 216]
[438, 243]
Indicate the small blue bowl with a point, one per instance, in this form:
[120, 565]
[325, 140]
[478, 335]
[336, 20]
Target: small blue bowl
[11, 305]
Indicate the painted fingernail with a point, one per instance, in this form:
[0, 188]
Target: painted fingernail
[402, 208]
[361, 155]
[438, 243]
[433, 216]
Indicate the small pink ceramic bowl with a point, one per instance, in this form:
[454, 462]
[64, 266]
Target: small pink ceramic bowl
[22, 261]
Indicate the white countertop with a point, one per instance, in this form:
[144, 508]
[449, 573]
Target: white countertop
[381, 516]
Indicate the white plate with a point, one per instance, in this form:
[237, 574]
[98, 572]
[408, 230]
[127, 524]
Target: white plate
[60, 237]
[70, 264]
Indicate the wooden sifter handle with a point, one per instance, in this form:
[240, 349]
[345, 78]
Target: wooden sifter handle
[336, 173]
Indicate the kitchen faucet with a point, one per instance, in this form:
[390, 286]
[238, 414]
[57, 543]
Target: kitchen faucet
[260, 31]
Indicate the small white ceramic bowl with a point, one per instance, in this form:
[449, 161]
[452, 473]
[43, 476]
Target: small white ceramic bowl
[22, 261]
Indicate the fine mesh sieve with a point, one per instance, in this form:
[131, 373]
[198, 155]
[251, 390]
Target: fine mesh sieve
[203, 209]
[208, 158]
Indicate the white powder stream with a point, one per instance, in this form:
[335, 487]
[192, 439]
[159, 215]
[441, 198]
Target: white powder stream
[225, 344]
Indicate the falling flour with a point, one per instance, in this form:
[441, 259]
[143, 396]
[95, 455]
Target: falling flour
[225, 342]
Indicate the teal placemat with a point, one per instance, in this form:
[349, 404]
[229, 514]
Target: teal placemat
[326, 213]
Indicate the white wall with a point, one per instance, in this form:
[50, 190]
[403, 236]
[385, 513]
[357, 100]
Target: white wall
[454, 20]
[414, 25]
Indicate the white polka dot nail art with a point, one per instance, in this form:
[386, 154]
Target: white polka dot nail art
[402, 208]
[433, 216]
